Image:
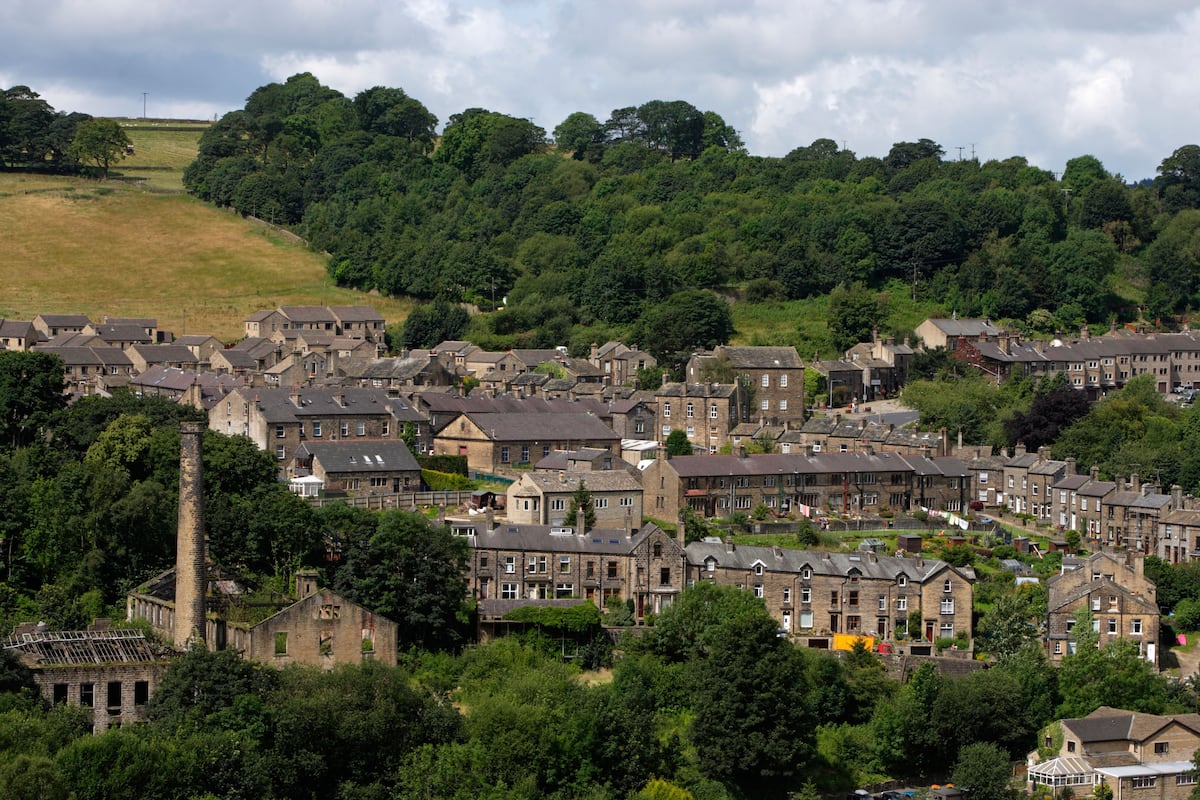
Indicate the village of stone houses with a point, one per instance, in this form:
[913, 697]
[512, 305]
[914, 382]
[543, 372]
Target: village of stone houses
[751, 592]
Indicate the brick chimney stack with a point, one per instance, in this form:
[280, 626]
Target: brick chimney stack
[190, 578]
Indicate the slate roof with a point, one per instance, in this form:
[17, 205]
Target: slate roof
[714, 390]
[778, 559]
[600, 541]
[784, 463]
[515, 426]
[965, 327]
[360, 455]
[356, 313]
[283, 405]
[163, 353]
[308, 314]
[610, 480]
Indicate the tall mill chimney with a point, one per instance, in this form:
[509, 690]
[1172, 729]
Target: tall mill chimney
[190, 578]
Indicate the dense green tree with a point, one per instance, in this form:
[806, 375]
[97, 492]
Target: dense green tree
[25, 124]
[412, 572]
[100, 143]
[678, 444]
[581, 500]
[683, 322]
[757, 727]
[984, 770]
[854, 313]
[1055, 407]
[1178, 181]
[582, 135]
[433, 324]
[31, 391]
[684, 628]
[202, 689]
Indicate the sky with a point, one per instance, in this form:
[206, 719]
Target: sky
[1048, 80]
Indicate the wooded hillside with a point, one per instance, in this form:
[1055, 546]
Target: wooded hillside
[594, 225]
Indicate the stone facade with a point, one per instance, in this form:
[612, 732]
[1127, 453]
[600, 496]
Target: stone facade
[1115, 591]
[814, 593]
[599, 565]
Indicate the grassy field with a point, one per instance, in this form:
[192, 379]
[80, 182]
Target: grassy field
[161, 151]
[69, 245]
[136, 246]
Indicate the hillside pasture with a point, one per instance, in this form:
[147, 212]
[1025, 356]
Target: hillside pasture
[73, 245]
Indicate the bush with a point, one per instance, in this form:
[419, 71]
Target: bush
[1187, 615]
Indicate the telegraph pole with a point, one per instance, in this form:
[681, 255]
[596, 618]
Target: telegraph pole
[144, 94]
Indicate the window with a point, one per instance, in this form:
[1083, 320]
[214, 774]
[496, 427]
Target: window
[141, 693]
[281, 643]
[946, 631]
[1058, 648]
[1161, 748]
[564, 563]
[666, 431]
[806, 573]
[558, 504]
[360, 428]
[1135, 627]
[87, 694]
[524, 454]
[758, 569]
[783, 381]
[279, 432]
[1112, 625]
[483, 560]
[599, 503]
[712, 411]
[882, 603]
[666, 409]
[948, 605]
[611, 569]
[508, 591]
[806, 619]
[787, 595]
[510, 564]
[805, 595]
[710, 565]
[60, 694]
[503, 455]
[947, 587]
[1143, 781]
[902, 604]
[691, 410]
[783, 405]
[765, 404]
[345, 429]
[562, 590]
[758, 590]
[279, 452]
[316, 429]
[766, 381]
[902, 581]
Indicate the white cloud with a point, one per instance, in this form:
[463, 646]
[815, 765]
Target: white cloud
[1051, 81]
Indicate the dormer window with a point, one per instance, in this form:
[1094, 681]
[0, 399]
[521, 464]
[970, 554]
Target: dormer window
[758, 569]
[710, 565]
[806, 573]
[902, 581]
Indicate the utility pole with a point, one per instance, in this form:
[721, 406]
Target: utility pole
[960, 149]
[144, 94]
